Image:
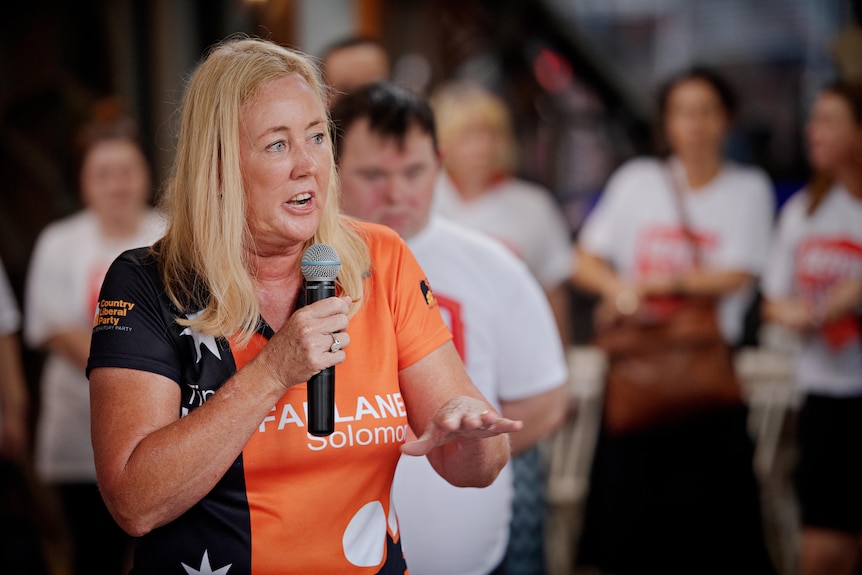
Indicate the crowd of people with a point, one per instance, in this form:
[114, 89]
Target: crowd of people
[172, 431]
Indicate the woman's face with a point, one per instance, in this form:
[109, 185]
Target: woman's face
[695, 120]
[286, 160]
[833, 136]
[472, 152]
[115, 181]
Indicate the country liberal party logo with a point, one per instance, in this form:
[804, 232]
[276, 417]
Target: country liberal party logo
[110, 312]
[427, 294]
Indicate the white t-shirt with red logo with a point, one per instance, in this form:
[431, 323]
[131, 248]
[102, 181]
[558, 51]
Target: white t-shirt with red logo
[636, 226]
[504, 330]
[810, 255]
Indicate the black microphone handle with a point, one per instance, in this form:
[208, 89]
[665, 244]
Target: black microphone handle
[321, 403]
[321, 386]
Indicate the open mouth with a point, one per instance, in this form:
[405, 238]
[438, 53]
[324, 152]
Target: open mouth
[300, 200]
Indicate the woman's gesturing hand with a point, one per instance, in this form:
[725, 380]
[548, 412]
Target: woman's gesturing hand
[461, 416]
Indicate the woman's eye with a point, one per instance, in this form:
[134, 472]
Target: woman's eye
[318, 138]
[277, 146]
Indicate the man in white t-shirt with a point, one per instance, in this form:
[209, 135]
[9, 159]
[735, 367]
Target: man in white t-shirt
[501, 321]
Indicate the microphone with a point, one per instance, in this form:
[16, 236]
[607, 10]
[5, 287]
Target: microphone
[320, 265]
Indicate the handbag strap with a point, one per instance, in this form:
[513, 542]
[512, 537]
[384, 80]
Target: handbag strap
[679, 202]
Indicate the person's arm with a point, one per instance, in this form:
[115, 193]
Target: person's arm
[791, 313]
[464, 437]
[152, 465]
[596, 276]
[541, 414]
[558, 298]
[843, 299]
[14, 400]
[698, 282]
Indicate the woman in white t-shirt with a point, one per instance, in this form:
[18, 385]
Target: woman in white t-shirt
[680, 498]
[813, 286]
[68, 265]
[478, 188]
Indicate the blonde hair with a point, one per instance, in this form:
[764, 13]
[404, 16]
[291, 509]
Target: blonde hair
[459, 103]
[204, 255]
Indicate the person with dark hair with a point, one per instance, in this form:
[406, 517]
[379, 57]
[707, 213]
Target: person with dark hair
[204, 346]
[813, 287]
[353, 61]
[679, 497]
[68, 264]
[502, 324]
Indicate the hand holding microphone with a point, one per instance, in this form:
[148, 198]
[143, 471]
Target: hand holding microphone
[320, 265]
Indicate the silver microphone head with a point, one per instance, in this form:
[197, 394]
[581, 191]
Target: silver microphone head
[320, 262]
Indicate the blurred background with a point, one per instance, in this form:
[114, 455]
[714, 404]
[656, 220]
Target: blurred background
[579, 75]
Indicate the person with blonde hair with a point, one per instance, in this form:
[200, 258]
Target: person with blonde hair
[478, 188]
[204, 344]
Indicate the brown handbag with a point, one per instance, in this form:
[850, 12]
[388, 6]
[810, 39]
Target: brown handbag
[665, 371]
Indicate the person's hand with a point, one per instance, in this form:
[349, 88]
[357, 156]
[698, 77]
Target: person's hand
[841, 300]
[794, 314]
[305, 345]
[461, 417]
[624, 302]
[661, 285]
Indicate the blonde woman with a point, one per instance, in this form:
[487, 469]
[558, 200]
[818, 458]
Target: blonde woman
[479, 189]
[202, 348]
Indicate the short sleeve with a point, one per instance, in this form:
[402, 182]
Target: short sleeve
[531, 355]
[599, 233]
[419, 326]
[748, 245]
[777, 280]
[134, 326]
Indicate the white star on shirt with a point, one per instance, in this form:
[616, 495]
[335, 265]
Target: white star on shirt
[207, 340]
[205, 567]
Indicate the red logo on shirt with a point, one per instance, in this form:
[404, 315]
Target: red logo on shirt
[667, 250]
[821, 264]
